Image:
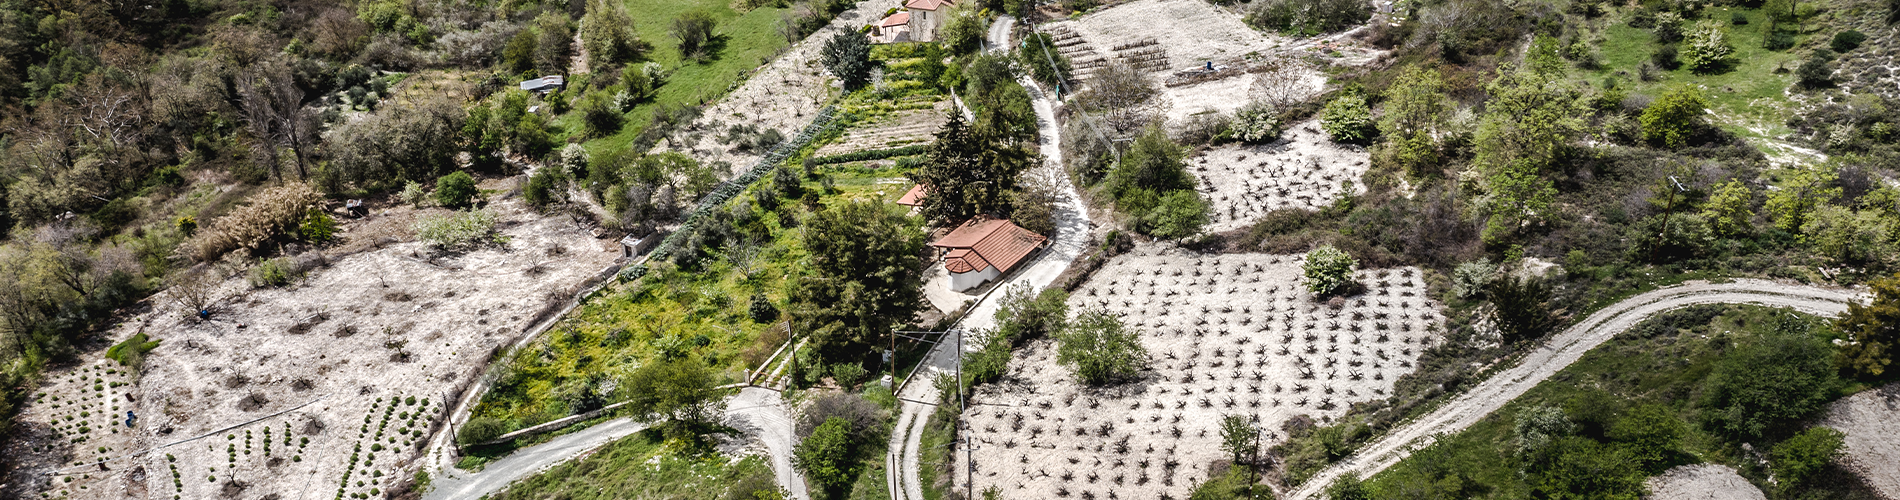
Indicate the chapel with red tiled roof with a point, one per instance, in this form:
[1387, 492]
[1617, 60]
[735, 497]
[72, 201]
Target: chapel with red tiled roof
[983, 249]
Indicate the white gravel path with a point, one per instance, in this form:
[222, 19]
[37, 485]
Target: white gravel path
[1562, 350]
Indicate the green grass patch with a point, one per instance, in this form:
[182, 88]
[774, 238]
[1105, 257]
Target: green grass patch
[1666, 362]
[132, 350]
[1748, 96]
[743, 41]
[644, 465]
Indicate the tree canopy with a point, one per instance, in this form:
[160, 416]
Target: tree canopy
[863, 276]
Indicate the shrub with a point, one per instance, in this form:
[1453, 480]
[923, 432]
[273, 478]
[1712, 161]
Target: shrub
[1100, 349]
[1469, 279]
[1665, 58]
[761, 309]
[1348, 119]
[1179, 214]
[546, 186]
[827, 456]
[270, 213]
[600, 115]
[455, 190]
[1846, 41]
[317, 226]
[1671, 120]
[1328, 270]
[1522, 307]
[692, 29]
[847, 375]
[1708, 48]
[1815, 73]
[413, 194]
[1256, 122]
[866, 419]
[874, 154]
[1536, 427]
[1797, 459]
[480, 430]
[1872, 331]
[457, 230]
[1650, 432]
[273, 273]
[1769, 382]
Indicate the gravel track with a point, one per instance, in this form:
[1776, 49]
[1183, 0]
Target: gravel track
[1562, 350]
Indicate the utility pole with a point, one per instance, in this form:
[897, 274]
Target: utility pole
[1669, 210]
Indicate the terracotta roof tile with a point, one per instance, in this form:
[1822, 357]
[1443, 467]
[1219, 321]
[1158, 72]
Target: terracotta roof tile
[915, 197]
[928, 4]
[982, 242]
[898, 19]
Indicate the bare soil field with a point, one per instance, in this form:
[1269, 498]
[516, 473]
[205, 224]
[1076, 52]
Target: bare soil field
[1186, 32]
[328, 385]
[781, 95]
[1304, 169]
[902, 128]
[1873, 436]
[1226, 334]
[1702, 482]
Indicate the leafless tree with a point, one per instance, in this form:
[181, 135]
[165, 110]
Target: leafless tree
[1124, 95]
[193, 289]
[1282, 84]
[275, 115]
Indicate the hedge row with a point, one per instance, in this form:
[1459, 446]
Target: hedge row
[874, 154]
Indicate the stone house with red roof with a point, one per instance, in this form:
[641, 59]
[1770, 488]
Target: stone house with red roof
[983, 249]
[926, 16]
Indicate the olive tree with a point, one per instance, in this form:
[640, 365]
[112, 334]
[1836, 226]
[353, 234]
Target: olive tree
[848, 56]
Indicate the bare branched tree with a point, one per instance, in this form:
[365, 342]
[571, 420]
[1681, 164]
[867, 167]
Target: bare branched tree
[275, 115]
[1123, 94]
[1282, 84]
[193, 289]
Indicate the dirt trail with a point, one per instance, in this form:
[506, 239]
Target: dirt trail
[1562, 350]
[1072, 233]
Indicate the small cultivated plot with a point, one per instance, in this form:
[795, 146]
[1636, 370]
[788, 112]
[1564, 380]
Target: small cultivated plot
[1182, 35]
[1226, 334]
[78, 417]
[914, 123]
[720, 304]
[1302, 170]
[386, 317]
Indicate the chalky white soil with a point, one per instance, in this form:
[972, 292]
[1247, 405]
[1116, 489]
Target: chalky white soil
[342, 349]
[1192, 31]
[1871, 421]
[1226, 334]
[1702, 482]
[1304, 170]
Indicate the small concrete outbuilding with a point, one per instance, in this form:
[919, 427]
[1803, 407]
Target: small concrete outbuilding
[983, 249]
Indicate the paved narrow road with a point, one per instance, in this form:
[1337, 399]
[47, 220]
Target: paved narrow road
[456, 484]
[1562, 350]
[1072, 236]
[759, 413]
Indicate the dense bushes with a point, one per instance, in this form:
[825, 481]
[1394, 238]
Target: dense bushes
[1770, 382]
[1328, 270]
[867, 155]
[1100, 349]
[459, 230]
[1308, 17]
[455, 190]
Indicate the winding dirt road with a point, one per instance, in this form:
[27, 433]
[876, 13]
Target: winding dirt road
[1562, 350]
